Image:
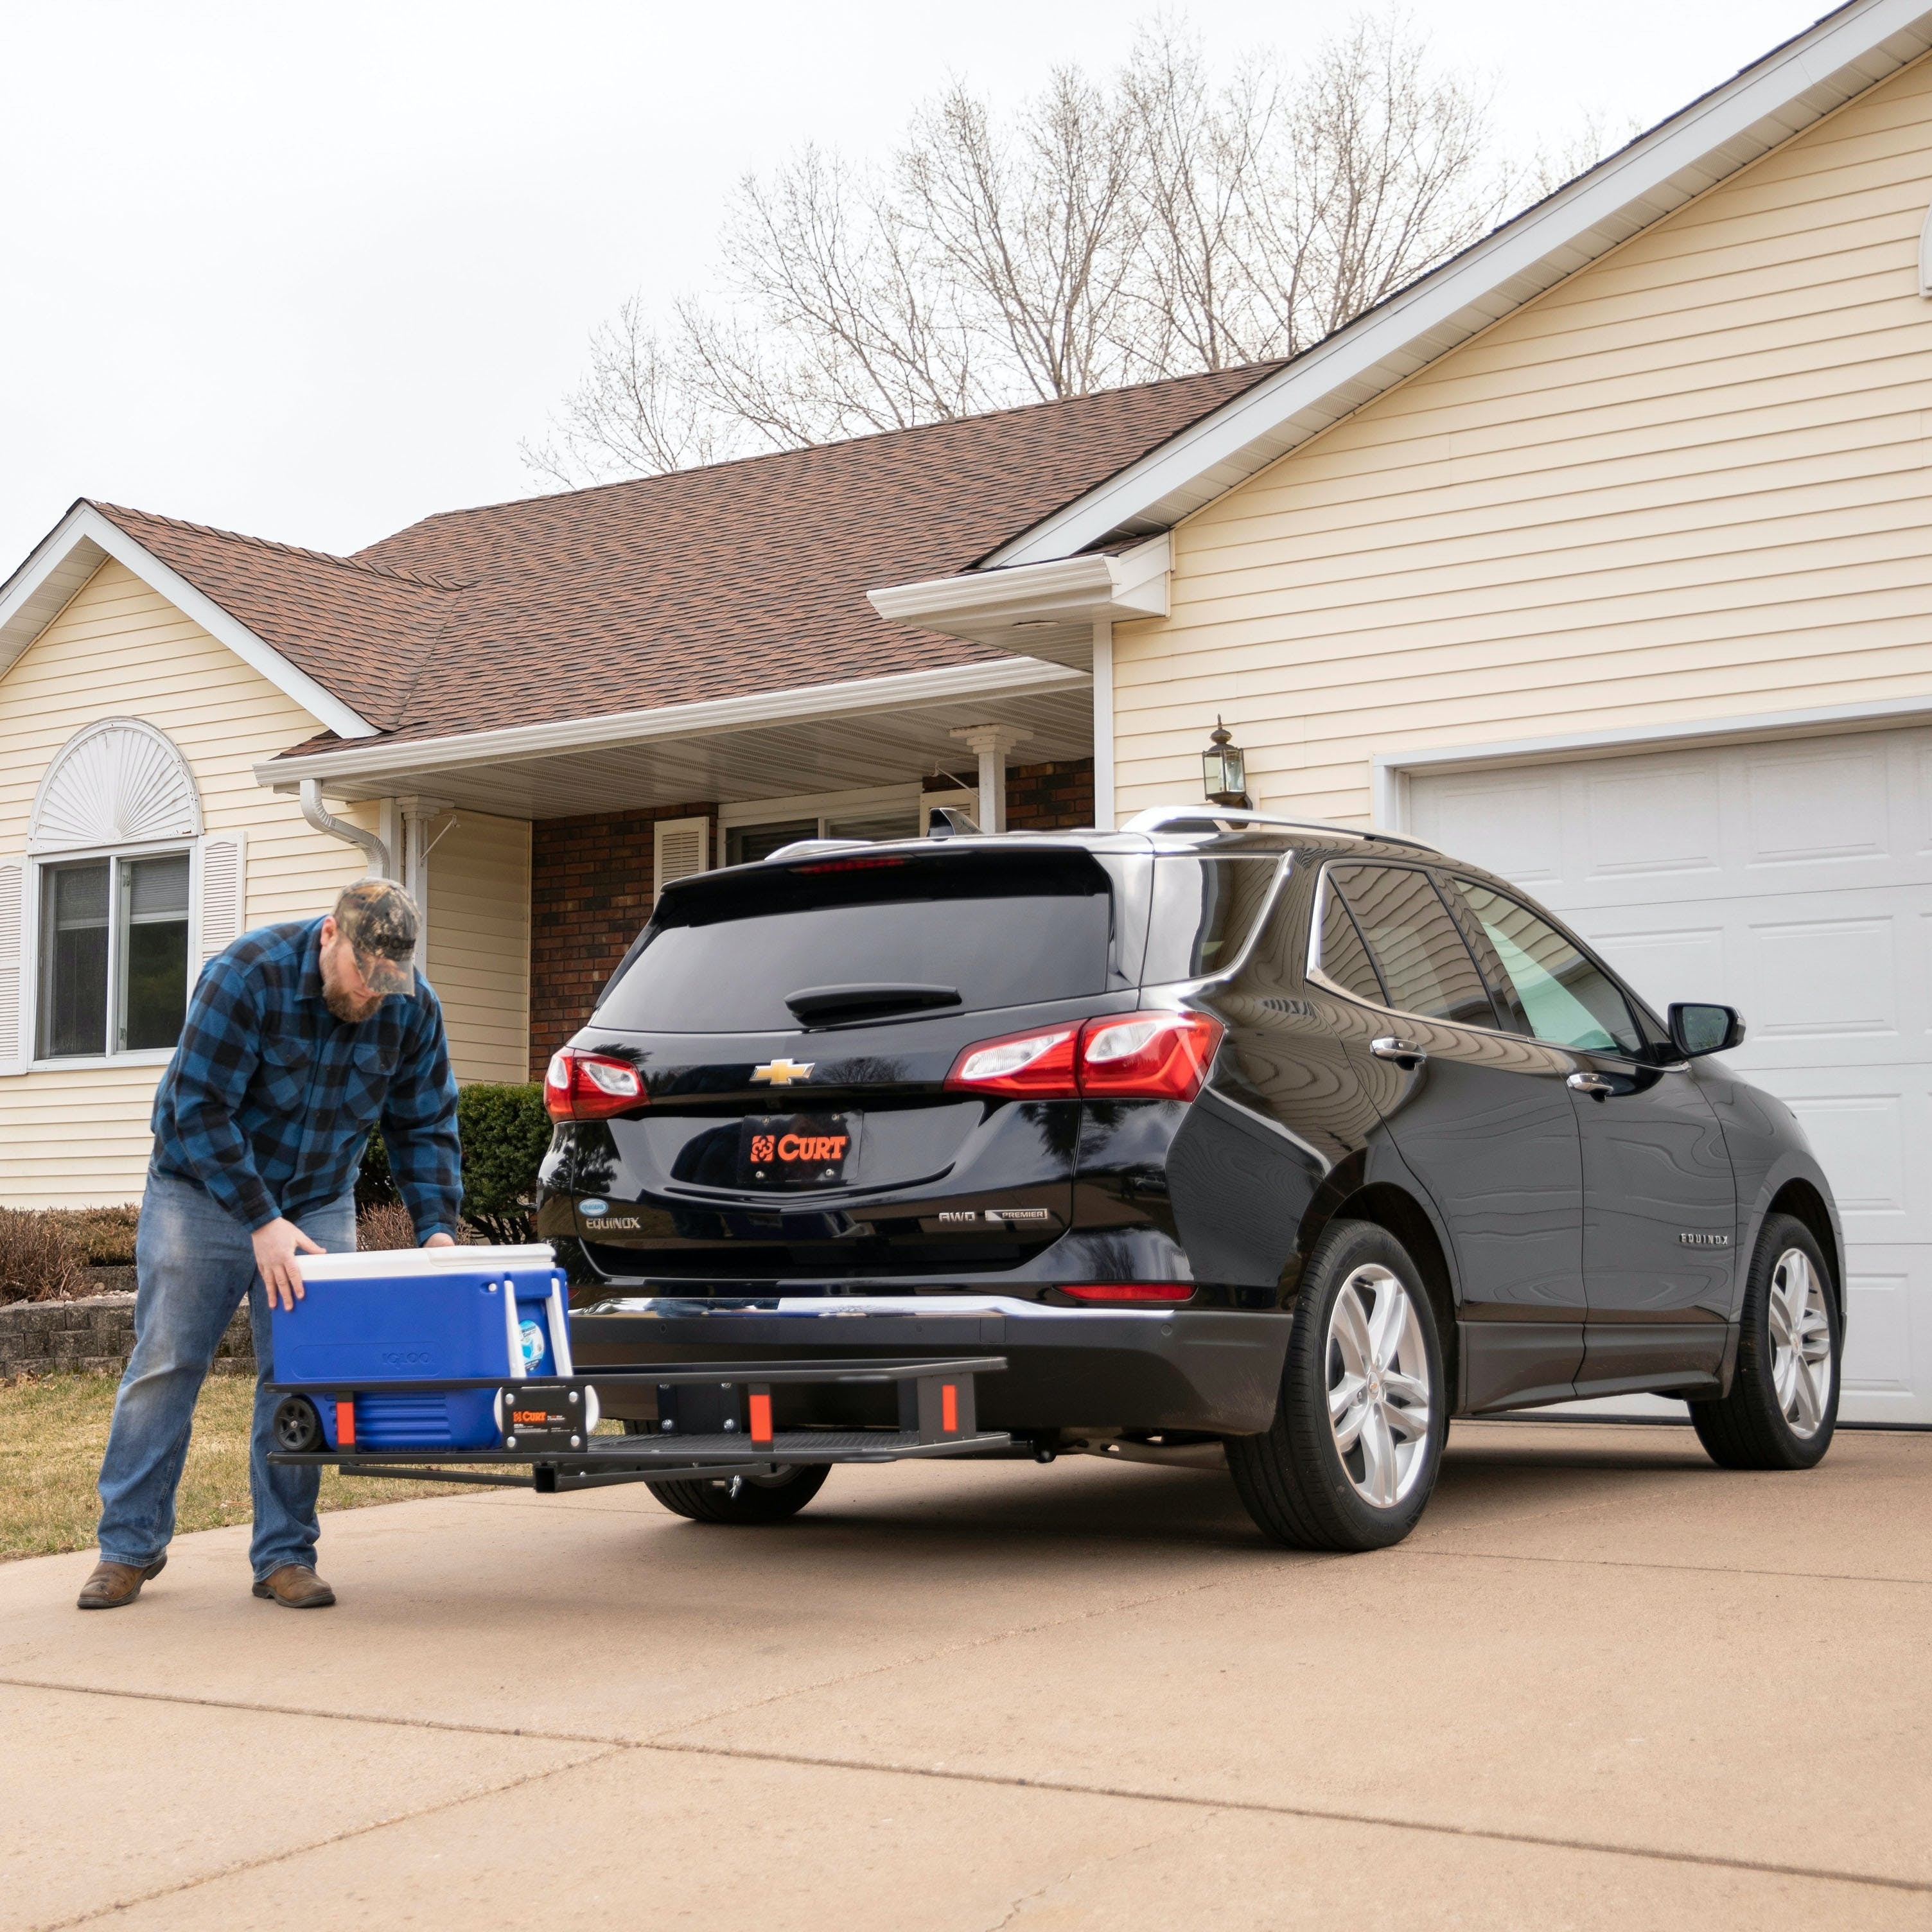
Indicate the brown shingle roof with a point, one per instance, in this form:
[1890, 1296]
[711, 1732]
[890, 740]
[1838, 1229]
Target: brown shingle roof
[360, 629]
[703, 583]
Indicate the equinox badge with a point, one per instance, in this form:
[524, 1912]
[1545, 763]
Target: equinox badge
[783, 1072]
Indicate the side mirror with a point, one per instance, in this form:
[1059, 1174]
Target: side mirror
[1696, 1029]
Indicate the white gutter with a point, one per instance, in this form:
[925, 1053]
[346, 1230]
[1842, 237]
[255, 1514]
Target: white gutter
[612, 731]
[1046, 609]
[322, 820]
[1792, 87]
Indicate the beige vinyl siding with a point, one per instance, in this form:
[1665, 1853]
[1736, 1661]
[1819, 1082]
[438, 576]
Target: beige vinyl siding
[1690, 483]
[78, 1135]
[479, 942]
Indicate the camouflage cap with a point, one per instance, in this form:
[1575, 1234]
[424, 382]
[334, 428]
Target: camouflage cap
[380, 921]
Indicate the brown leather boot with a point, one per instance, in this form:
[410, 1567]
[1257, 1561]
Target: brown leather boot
[296, 1586]
[113, 1584]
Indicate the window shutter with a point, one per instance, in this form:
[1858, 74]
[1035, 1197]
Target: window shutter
[224, 894]
[15, 1021]
[679, 847]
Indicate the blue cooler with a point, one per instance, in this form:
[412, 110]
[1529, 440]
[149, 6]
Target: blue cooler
[423, 1315]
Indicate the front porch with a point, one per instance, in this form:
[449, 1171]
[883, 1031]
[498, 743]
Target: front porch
[551, 841]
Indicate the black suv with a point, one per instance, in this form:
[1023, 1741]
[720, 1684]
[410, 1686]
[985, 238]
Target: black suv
[1221, 1130]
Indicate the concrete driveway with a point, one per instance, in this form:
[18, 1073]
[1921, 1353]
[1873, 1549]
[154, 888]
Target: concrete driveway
[1605, 1685]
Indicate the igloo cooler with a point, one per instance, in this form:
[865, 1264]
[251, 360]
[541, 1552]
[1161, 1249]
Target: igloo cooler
[421, 1315]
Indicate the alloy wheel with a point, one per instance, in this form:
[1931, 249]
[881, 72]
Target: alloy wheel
[1801, 1343]
[1379, 1397]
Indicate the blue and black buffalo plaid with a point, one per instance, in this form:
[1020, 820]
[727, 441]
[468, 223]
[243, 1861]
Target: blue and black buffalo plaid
[269, 1099]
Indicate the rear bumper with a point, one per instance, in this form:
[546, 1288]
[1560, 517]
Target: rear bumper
[1212, 1370]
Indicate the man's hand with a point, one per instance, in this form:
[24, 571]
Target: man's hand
[277, 1243]
[440, 1241]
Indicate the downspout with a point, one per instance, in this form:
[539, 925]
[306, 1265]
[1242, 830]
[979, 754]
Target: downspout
[319, 816]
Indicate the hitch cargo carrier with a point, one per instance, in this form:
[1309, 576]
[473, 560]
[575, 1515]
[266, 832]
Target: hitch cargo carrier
[453, 1365]
[714, 1421]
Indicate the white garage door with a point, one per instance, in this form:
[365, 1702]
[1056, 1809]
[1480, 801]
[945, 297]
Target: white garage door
[1794, 881]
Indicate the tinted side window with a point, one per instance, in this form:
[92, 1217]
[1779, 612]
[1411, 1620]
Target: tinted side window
[1344, 959]
[1564, 998]
[1204, 909]
[1423, 961]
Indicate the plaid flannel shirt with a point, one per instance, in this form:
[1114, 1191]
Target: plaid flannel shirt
[269, 1099]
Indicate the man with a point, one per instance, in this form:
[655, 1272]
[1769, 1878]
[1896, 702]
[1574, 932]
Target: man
[299, 1038]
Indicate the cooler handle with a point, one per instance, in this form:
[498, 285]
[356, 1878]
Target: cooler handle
[559, 1330]
[516, 1340]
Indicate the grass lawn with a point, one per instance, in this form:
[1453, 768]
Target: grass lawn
[53, 1429]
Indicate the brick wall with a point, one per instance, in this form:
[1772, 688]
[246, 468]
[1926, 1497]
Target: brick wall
[590, 894]
[1050, 798]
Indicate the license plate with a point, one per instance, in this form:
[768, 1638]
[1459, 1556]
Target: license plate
[795, 1150]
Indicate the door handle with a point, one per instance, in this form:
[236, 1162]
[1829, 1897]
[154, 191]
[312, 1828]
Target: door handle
[1404, 1053]
[1598, 1086]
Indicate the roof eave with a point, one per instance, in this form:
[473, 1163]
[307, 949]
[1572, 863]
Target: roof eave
[409, 759]
[1726, 130]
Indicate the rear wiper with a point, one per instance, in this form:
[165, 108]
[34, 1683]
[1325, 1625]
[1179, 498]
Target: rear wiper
[850, 1003]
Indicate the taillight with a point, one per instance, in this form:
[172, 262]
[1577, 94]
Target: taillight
[1148, 1056]
[1129, 1290]
[580, 1086]
[1136, 1056]
[1038, 1065]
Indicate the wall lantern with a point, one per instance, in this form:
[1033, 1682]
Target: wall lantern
[1224, 770]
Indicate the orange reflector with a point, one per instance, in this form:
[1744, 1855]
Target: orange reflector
[949, 1407]
[761, 1418]
[345, 1425]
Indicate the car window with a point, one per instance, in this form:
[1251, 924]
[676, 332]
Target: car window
[1344, 959]
[1203, 911]
[1001, 928]
[1424, 962]
[1564, 998]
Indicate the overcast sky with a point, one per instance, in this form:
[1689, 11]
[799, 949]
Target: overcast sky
[310, 272]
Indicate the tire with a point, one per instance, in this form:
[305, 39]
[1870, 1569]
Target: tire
[1777, 1416]
[742, 1499]
[297, 1428]
[1309, 1481]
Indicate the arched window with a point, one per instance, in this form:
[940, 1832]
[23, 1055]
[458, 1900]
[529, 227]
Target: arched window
[114, 859]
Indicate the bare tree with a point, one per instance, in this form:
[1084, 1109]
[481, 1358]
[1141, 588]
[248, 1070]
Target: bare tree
[1158, 224]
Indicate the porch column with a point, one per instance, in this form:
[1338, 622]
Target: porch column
[992, 743]
[416, 813]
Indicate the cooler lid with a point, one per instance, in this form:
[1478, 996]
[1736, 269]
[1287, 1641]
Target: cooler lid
[483, 1258]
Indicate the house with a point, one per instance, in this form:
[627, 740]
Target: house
[1600, 555]
[1603, 556]
[535, 713]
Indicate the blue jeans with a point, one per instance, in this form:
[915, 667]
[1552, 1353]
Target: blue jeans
[194, 1263]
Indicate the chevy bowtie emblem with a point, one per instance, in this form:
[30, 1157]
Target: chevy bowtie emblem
[783, 1072]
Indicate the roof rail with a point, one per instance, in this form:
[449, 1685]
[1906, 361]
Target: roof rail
[1159, 818]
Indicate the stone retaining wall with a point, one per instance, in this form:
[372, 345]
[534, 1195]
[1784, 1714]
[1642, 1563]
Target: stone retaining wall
[94, 1336]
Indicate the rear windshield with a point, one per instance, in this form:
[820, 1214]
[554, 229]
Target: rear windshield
[1003, 929]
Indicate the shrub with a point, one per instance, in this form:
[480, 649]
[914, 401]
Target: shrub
[505, 1132]
[100, 1237]
[37, 1258]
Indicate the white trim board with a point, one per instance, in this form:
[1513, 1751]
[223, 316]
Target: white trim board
[1007, 677]
[77, 547]
[1793, 86]
[1389, 771]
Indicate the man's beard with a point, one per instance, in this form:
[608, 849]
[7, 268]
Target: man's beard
[349, 1012]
